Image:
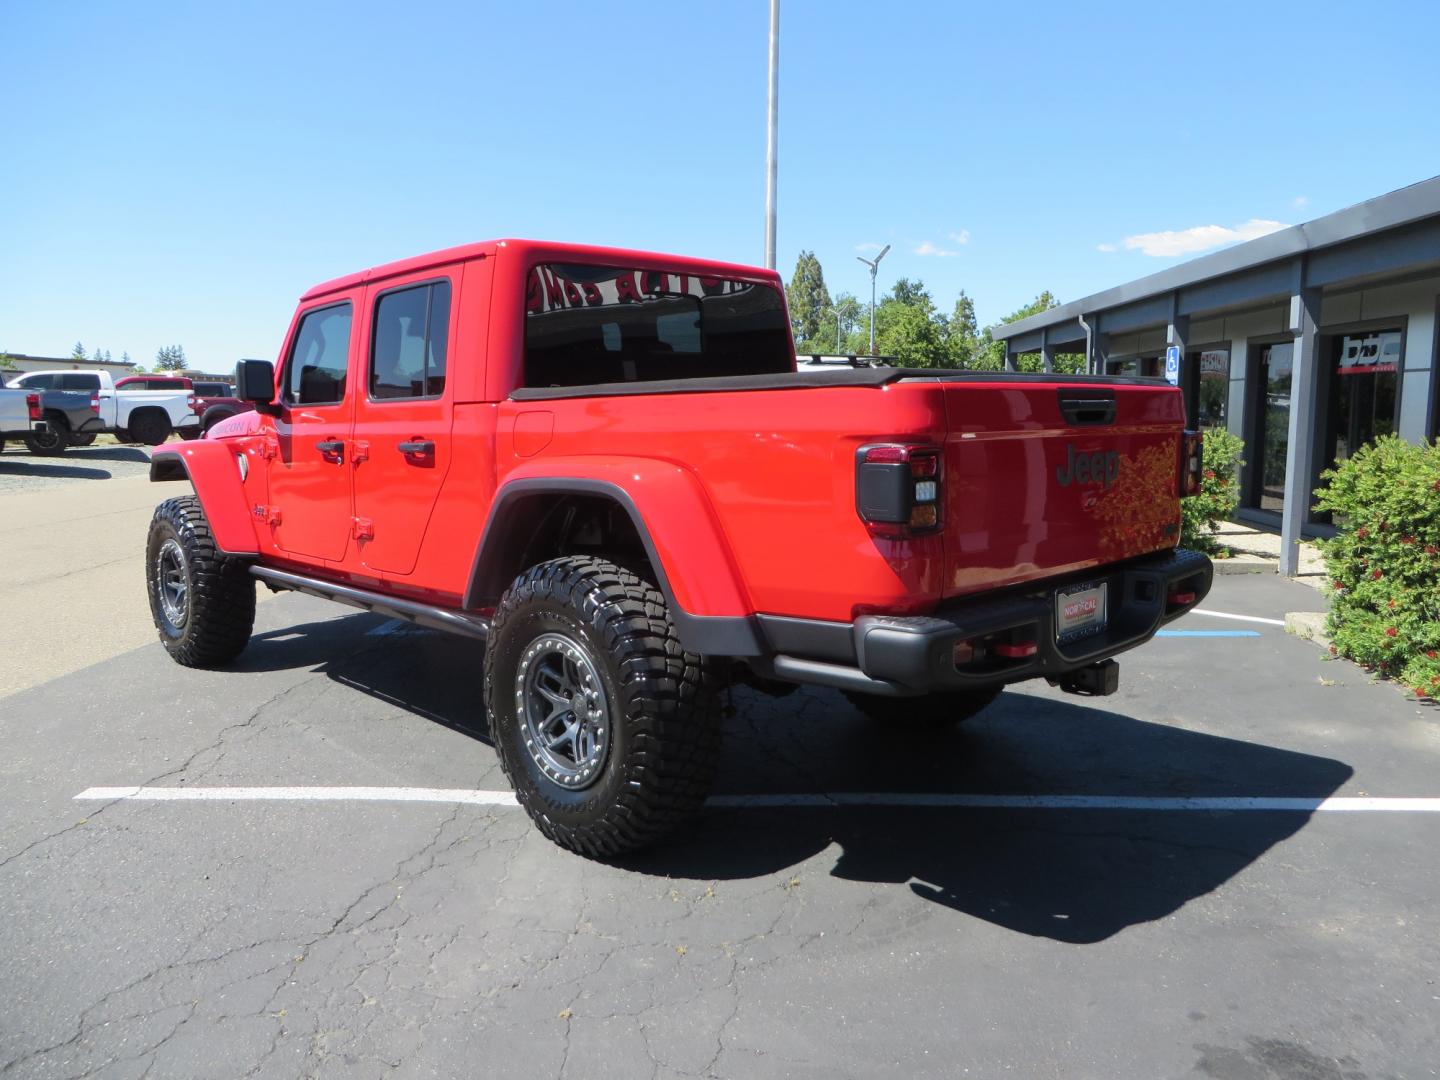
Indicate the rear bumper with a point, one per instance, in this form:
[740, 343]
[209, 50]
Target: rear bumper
[904, 656]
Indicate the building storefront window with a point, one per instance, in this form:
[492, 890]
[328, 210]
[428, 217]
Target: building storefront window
[1363, 396]
[1212, 388]
[1272, 427]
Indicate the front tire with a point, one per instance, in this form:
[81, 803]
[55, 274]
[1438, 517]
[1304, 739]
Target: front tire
[608, 730]
[931, 712]
[202, 602]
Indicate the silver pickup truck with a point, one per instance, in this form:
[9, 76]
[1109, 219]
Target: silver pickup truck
[46, 419]
[142, 416]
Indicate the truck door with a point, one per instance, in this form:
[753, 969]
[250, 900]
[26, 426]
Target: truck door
[403, 417]
[310, 498]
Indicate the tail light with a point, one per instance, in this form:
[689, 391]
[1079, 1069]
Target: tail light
[32, 404]
[897, 489]
[192, 401]
[1192, 457]
[95, 404]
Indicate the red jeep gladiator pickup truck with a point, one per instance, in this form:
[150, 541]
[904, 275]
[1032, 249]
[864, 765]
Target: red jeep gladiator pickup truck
[604, 464]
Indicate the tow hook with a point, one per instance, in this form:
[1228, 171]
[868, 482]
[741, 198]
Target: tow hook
[1097, 680]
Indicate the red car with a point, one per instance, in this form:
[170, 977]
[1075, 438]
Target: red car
[216, 401]
[605, 465]
[154, 381]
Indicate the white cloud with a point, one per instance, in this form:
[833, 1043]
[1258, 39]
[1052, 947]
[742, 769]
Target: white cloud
[1106, 247]
[1300, 202]
[868, 247]
[1200, 238]
[927, 248]
[961, 237]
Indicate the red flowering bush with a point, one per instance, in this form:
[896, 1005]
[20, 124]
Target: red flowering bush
[1385, 563]
[1219, 491]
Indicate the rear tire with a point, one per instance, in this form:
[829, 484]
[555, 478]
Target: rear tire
[202, 602]
[608, 730]
[930, 712]
[51, 442]
[151, 427]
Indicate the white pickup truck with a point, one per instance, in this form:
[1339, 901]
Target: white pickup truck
[142, 416]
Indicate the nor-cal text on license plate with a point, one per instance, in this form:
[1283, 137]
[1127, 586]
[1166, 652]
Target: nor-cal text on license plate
[1080, 611]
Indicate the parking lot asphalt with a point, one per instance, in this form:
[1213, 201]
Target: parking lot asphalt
[802, 937]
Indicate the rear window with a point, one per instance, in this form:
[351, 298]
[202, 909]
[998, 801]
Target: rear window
[155, 384]
[212, 389]
[604, 324]
[80, 381]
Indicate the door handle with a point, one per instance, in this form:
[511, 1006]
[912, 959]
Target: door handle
[417, 446]
[332, 448]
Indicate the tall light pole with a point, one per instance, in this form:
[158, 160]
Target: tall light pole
[874, 267]
[770, 135]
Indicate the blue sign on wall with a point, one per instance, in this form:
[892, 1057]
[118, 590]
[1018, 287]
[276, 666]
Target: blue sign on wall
[1172, 365]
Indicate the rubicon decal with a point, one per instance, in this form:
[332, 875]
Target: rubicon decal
[1098, 468]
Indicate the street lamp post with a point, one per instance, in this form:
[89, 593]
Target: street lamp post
[771, 132]
[874, 268]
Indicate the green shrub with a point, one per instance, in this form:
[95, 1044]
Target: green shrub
[1384, 565]
[1219, 491]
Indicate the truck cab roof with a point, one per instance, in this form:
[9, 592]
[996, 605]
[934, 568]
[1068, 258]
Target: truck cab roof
[539, 251]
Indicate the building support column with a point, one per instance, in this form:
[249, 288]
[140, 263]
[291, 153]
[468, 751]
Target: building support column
[1304, 390]
[1047, 351]
[1009, 358]
[1177, 333]
[1094, 345]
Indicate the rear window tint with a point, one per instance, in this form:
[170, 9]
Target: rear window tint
[603, 324]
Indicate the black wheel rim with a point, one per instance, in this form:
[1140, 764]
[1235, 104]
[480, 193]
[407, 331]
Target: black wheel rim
[564, 715]
[172, 583]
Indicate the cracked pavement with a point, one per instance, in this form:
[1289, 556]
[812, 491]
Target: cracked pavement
[297, 939]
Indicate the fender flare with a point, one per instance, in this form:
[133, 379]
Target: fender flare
[674, 521]
[210, 467]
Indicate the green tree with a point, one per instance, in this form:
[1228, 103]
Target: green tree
[907, 327]
[170, 358]
[960, 332]
[808, 297]
[78, 353]
[914, 292]
[838, 328]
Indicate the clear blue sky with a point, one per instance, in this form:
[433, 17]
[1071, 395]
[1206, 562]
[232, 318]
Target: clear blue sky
[180, 173]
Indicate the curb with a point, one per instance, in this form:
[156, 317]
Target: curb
[1246, 564]
[1309, 625]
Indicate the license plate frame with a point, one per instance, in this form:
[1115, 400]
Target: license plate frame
[1081, 611]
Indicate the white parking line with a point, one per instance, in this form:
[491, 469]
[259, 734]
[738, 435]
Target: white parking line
[1240, 618]
[303, 794]
[1210, 803]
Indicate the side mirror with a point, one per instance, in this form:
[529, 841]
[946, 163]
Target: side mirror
[255, 382]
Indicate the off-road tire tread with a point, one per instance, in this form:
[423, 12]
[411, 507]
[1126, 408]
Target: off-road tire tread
[222, 592]
[668, 702]
[933, 711]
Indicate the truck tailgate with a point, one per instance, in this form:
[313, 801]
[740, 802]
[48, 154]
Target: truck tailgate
[1044, 479]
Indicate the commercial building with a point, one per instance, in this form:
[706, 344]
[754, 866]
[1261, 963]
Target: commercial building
[1306, 343]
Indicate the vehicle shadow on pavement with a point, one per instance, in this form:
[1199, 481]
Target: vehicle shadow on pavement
[47, 468]
[111, 453]
[1077, 876]
[409, 667]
